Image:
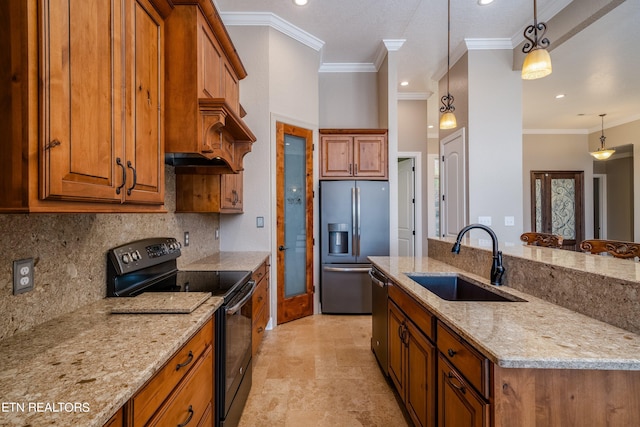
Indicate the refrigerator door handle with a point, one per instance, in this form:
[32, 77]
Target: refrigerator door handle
[358, 210]
[347, 269]
[354, 236]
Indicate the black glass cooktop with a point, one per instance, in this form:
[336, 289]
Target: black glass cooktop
[219, 283]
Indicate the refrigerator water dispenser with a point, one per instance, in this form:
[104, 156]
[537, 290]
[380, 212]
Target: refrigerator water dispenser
[338, 239]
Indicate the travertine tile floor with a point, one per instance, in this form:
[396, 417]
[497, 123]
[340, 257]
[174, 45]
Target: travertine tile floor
[320, 371]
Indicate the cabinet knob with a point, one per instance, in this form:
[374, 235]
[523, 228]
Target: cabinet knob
[451, 352]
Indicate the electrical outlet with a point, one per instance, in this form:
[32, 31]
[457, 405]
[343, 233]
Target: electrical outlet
[260, 222]
[186, 238]
[509, 221]
[22, 276]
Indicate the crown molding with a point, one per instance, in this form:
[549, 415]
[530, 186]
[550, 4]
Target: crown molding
[414, 96]
[488, 44]
[393, 44]
[555, 131]
[347, 67]
[272, 20]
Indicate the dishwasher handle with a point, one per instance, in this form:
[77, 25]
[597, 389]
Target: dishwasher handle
[377, 278]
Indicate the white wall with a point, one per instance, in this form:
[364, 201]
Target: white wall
[558, 153]
[348, 100]
[495, 142]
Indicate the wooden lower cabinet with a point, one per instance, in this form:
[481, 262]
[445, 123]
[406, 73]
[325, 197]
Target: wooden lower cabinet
[117, 420]
[458, 403]
[182, 390]
[260, 306]
[411, 366]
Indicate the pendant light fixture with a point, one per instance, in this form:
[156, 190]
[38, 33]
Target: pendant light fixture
[448, 119]
[537, 63]
[602, 153]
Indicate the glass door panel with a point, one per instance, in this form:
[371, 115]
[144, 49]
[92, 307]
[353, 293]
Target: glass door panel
[295, 215]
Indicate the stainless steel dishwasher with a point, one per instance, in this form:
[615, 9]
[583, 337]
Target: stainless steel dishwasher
[379, 337]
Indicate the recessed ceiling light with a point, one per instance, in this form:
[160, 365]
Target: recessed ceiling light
[560, 96]
[484, 2]
[404, 83]
[300, 2]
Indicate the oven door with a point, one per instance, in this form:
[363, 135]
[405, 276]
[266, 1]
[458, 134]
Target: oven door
[236, 349]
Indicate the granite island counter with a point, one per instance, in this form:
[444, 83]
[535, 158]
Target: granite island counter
[81, 368]
[504, 364]
[531, 334]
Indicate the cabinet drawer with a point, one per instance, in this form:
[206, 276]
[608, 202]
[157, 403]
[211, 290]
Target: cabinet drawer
[418, 315]
[192, 398]
[149, 399]
[259, 298]
[260, 272]
[467, 360]
[259, 325]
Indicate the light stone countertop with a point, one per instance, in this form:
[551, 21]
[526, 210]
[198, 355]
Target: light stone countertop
[91, 358]
[580, 261]
[532, 334]
[244, 261]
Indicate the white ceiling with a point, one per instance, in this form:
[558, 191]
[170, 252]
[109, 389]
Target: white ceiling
[598, 69]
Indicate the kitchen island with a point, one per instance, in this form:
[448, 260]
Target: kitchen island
[81, 368]
[529, 363]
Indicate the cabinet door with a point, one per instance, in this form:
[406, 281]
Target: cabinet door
[421, 380]
[81, 109]
[231, 87]
[396, 348]
[370, 156]
[231, 193]
[458, 404]
[145, 65]
[209, 61]
[336, 156]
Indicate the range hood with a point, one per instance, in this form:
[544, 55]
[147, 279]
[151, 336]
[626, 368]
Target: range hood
[204, 128]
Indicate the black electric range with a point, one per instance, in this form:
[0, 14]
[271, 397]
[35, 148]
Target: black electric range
[149, 265]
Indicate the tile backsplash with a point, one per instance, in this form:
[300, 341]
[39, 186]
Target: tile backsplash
[69, 251]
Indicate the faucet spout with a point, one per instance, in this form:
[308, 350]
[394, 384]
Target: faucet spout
[497, 269]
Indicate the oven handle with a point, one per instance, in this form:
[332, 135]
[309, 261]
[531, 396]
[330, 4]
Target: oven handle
[236, 307]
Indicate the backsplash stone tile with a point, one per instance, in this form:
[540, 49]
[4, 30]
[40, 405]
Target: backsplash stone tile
[69, 252]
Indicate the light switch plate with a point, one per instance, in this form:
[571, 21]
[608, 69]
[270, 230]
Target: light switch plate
[484, 220]
[22, 276]
[509, 221]
[260, 222]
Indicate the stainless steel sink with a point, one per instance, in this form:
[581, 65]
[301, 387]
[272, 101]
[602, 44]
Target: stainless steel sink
[452, 287]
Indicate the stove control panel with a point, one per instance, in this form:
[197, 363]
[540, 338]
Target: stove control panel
[144, 253]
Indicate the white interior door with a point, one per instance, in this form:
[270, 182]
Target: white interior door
[406, 207]
[453, 213]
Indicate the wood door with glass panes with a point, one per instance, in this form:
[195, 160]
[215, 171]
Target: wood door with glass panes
[557, 205]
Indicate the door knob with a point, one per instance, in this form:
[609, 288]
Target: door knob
[282, 248]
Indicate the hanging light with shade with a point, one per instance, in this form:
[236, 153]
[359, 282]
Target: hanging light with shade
[448, 119]
[537, 63]
[602, 153]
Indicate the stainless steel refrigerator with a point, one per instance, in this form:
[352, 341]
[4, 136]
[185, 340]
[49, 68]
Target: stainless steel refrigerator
[354, 221]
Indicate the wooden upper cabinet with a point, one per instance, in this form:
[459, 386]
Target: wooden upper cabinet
[204, 126]
[353, 154]
[86, 116]
[231, 193]
[145, 136]
[82, 100]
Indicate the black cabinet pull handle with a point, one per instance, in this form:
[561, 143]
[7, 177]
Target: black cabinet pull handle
[451, 352]
[135, 177]
[189, 360]
[460, 387]
[188, 420]
[124, 175]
